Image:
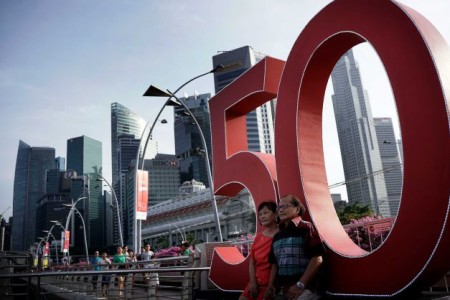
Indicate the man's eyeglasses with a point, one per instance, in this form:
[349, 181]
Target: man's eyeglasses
[284, 206]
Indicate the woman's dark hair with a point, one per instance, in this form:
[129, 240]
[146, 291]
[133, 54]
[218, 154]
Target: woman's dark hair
[269, 204]
[295, 201]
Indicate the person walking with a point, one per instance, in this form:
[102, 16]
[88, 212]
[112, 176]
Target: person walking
[96, 261]
[120, 258]
[105, 262]
[147, 255]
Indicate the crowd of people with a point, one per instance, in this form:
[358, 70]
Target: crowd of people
[125, 258]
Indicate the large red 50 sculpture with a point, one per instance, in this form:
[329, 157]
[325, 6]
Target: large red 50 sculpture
[417, 61]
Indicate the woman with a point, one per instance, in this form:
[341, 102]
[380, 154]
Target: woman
[295, 255]
[120, 258]
[259, 267]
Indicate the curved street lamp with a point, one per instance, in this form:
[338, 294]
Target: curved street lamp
[69, 217]
[154, 91]
[73, 208]
[117, 206]
[49, 233]
[151, 91]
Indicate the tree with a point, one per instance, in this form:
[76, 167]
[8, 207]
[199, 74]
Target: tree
[354, 211]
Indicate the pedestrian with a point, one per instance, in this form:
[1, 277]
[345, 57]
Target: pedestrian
[259, 267]
[185, 248]
[131, 259]
[120, 259]
[147, 255]
[296, 254]
[96, 261]
[105, 277]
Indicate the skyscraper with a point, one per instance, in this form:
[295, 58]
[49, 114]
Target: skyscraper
[50, 206]
[357, 137]
[188, 144]
[124, 121]
[84, 156]
[29, 186]
[260, 135]
[164, 179]
[126, 132]
[60, 163]
[390, 159]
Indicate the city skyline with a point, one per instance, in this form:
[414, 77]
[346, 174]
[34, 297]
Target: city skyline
[62, 65]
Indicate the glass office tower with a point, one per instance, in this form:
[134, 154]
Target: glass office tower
[188, 144]
[124, 121]
[390, 159]
[164, 178]
[29, 186]
[260, 134]
[84, 156]
[357, 138]
[126, 132]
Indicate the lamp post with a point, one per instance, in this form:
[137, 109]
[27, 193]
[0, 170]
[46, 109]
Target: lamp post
[151, 91]
[119, 223]
[49, 233]
[73, 208]
[41, 239]
[154, 91]
[69, 218]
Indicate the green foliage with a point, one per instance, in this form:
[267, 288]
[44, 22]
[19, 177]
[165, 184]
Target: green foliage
[162, 242]
[190, 238]
[354, 212]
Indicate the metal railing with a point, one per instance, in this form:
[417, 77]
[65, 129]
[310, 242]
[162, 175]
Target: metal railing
[165, 278]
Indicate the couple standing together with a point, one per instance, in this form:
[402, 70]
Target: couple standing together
[286, 257]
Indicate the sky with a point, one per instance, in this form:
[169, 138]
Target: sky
[62, 64]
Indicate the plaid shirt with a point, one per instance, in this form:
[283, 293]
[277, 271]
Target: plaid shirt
[292, 249]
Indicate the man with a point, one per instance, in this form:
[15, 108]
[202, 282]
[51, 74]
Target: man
[296, 254]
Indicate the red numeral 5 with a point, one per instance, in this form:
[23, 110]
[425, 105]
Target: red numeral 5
[234, 166]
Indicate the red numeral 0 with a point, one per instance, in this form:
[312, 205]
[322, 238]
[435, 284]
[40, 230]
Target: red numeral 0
[417, 61]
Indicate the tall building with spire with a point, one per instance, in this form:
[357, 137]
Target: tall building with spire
[260, 133]
[357, 138]
[29, 186]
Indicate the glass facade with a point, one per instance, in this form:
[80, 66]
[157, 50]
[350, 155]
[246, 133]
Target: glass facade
[260, 133]
[390, 159]
[29, 186]
[188, 143]
[84, 156]
[124, 121]
[164, 178]
[126, 131]
[357, 137]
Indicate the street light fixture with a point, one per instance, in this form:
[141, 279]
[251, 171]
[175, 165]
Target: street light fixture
[117, 206]
[73, 208]
[49, 233]
[152, 91]
[156, 92]
[69, 218]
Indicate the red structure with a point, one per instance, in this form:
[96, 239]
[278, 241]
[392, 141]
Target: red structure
[417, 61]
